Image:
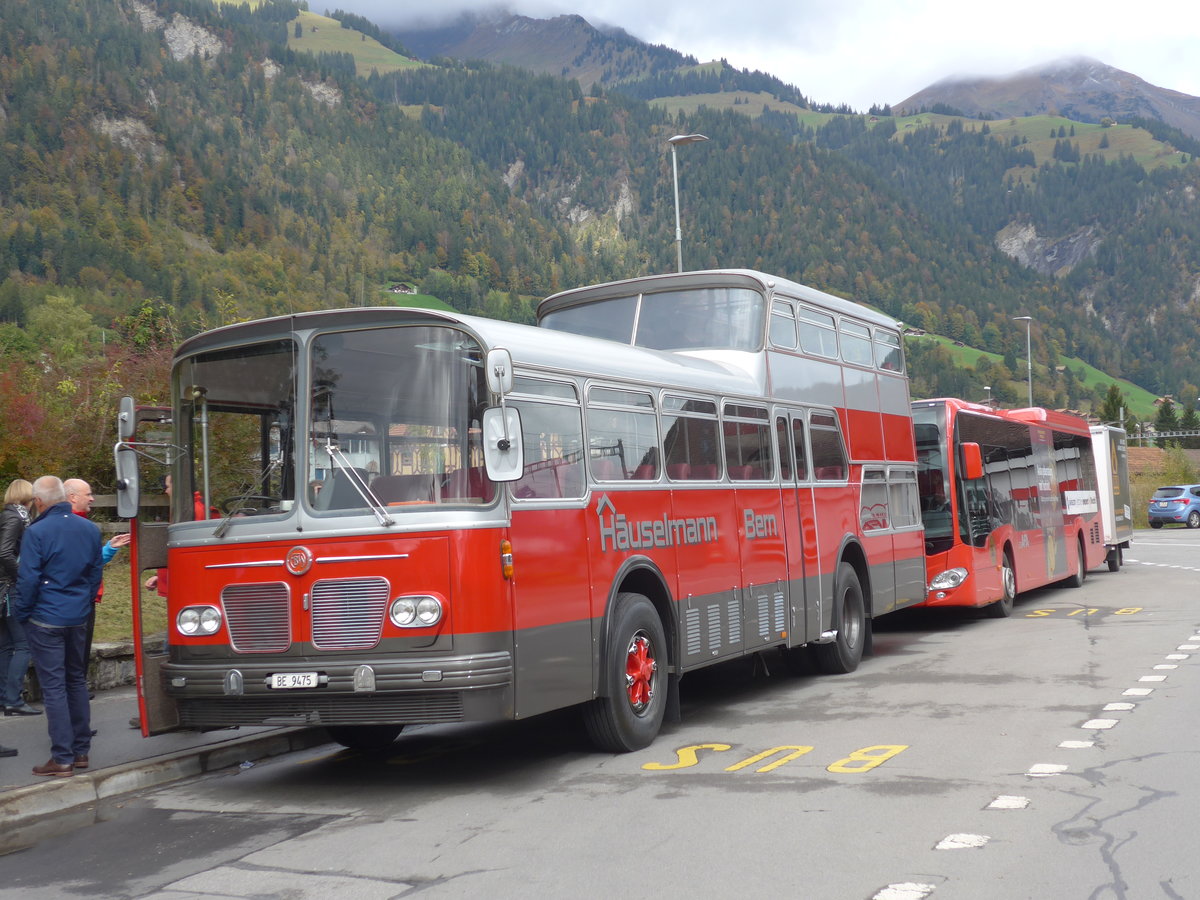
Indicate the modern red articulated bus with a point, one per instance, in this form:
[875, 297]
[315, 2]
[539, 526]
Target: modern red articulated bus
[1009, 501]
[426, 517]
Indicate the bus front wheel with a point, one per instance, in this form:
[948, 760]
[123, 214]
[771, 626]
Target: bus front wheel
[364, 738]
[1002, 608]
[843, 654]
[630, 713]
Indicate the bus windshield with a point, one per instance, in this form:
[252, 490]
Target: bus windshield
[716, 318]
[394, 420]
[392, 424]
[237, 423]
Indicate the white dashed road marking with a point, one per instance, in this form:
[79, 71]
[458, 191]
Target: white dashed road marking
[1044, 770]
[906, 891]
[1099, 724]
[1005, 801]
[962, 842]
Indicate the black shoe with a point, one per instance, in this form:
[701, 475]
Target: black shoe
[7, 751]
[23, 710]
[94, 732]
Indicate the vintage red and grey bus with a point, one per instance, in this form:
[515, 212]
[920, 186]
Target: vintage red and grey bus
[391, 516]
[1009, 500]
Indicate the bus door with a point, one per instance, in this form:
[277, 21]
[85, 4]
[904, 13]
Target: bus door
[875, 520]
[835, 501]
[702, 531]
[551, 602]
[750, 465]
[144, 434]
[807, 571]
[791, 533]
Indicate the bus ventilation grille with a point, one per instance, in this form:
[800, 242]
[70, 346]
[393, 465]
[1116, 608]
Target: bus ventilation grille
[259, 617]
[347, 613]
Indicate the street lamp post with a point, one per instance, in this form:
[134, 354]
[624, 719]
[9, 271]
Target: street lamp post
[675, 141]
[1028, 320]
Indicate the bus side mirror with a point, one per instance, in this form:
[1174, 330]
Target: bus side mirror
[972, 460]
[503, 453]
[127, 481]
[499, 371]
[126, 419]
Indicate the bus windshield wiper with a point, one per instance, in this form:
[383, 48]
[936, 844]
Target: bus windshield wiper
[227, 521]
[360, 484]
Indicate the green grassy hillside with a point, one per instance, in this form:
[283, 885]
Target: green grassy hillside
[320, 34]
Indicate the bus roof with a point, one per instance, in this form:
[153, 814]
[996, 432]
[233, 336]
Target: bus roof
[761, 281]
[536, 348]
[1032, 415]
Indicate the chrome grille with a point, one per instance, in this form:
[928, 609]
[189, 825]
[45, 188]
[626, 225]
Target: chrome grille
[259, 617]
[347, 613]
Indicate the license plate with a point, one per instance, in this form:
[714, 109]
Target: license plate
[292, 680]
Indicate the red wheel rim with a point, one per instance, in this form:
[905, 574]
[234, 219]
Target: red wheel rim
[640, 668]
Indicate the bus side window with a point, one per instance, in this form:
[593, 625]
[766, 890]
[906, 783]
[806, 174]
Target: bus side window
[690, 439]
[785, 448]
[829, 456]
[783, 326]
[747, 432]
[801, 449]
[621, 440]
[553, 437]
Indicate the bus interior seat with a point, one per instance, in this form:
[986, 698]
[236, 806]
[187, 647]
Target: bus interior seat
[607, 468]
[570, 479]
[403, 488]
[340, 493]
[705, 472]
[679, 471]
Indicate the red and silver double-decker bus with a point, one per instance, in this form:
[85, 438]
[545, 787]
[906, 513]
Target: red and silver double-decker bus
[1009, 500]
[391, 516]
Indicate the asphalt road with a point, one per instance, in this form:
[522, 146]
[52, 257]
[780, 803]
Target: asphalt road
[1049, 755]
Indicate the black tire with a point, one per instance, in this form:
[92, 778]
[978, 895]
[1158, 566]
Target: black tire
[1193, 519]
[843, 654]
[629, 714]
[1114, 559]
[1003, 608]
[1156, 524]
[364, 738]
[1080, 576]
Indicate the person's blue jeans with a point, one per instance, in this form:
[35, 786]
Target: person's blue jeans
[14, 661]
[59, 658]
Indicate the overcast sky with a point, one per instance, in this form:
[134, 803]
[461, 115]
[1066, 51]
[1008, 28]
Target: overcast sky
[878, 51]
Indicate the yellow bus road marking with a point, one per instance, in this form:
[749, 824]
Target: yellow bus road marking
[1083, 611]
[861, 760]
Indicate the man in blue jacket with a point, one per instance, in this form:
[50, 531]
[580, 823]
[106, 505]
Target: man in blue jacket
[57, 578]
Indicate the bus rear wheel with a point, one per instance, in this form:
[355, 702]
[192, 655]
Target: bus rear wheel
[629, 714]
[364, 738]
[843, 654]
[1080, 575]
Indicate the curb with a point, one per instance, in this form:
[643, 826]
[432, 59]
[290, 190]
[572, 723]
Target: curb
[61, 795]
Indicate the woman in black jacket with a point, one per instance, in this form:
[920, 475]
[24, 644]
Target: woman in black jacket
[14, 649]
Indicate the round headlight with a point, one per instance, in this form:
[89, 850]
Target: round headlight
[429, 611]
[188, 621]
[404, 611]
[210, 619]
